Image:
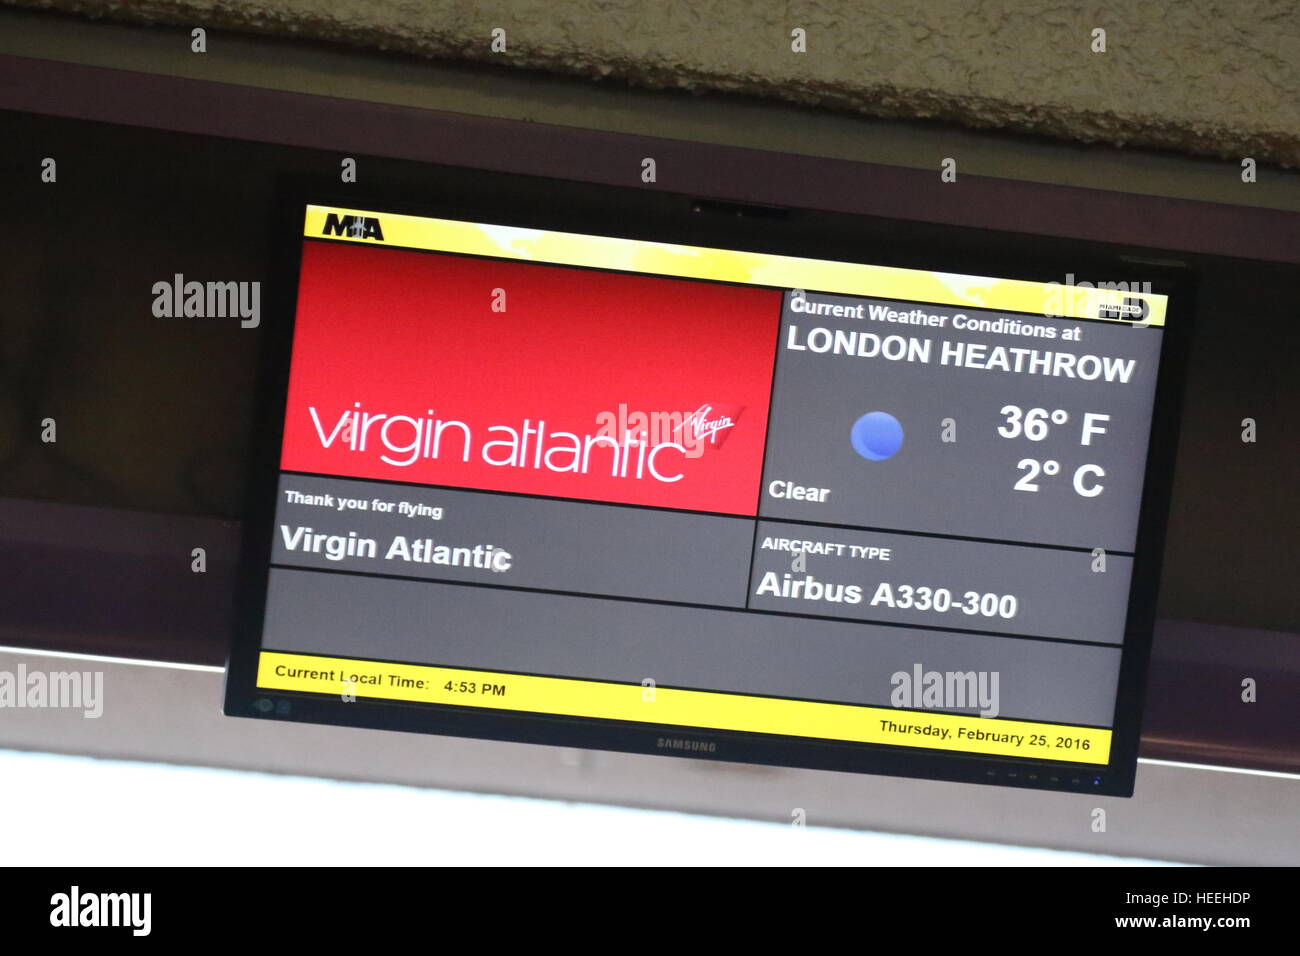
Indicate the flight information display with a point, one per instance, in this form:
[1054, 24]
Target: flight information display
[600, 491]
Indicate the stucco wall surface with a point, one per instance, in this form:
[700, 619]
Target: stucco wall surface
[1211, 78]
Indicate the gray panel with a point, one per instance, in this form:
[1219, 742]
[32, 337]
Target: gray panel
[500, 629]
[964, 487]
[557, 545]
[1057, 593]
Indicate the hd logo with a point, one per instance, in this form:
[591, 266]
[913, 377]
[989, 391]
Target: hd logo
[358, 227]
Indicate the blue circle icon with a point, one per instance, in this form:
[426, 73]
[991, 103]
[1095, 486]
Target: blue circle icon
[877, 436]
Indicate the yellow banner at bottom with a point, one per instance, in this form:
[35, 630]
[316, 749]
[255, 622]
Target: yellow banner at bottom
[708, 710]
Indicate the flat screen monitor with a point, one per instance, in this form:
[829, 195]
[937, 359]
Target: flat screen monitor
[593, 489]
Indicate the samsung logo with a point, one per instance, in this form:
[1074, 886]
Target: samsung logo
[680, 743]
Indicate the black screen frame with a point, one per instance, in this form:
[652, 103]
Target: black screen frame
[649, 213]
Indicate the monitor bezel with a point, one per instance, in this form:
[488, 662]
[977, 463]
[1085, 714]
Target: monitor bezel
[653, 214]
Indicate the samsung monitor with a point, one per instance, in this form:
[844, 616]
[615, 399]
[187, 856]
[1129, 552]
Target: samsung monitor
[620, 488]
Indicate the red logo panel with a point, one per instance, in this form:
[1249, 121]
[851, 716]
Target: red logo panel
[605, 386]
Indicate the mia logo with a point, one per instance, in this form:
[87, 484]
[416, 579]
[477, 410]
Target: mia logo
[358, 227]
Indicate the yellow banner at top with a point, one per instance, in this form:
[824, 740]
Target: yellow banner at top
[1113, 301]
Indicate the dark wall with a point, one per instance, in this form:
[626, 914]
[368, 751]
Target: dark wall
[156, 414]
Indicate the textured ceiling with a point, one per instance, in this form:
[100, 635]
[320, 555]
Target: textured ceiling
[1217, 79]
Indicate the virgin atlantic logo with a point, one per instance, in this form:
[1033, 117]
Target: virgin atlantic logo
[710, 424]
[690, 432]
